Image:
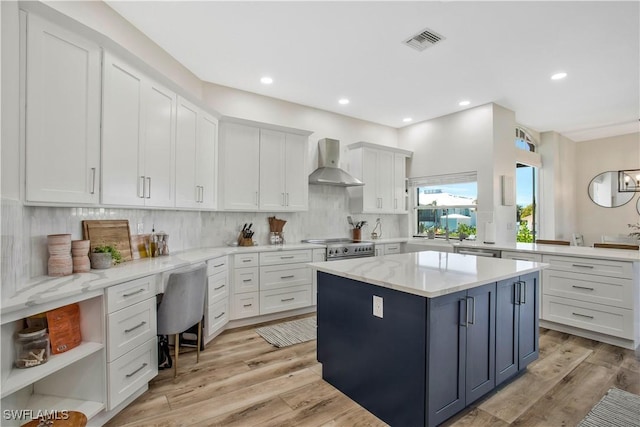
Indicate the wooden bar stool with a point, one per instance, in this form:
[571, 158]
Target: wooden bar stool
[553, 242]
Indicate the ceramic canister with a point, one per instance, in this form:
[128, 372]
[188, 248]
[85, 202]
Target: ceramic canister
[60, 262]
[80, 251]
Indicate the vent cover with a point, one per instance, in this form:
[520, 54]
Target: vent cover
[424, 39]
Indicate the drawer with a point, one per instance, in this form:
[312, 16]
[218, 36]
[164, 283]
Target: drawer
[621, 269]
[522, 256]
[285, 257]
[245, 260]
[218, 287]
[319, 255]
[245, 305]
[245, 280]
[276, 300]
[132, 371]
[128, 327]
[128, 293]
[217, 317]
[585, 287]
[607, 320]
[282, 276]
[390, 249]
[217, 265]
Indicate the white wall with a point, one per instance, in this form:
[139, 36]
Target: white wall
[478, 139]
[593, 157]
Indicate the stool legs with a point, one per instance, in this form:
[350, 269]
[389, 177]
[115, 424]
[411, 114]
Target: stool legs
[175, 366]
[199, 340]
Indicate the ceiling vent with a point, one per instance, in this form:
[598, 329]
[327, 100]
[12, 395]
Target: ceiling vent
[424, 39]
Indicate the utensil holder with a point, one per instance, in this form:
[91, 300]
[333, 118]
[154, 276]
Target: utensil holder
[357, 234]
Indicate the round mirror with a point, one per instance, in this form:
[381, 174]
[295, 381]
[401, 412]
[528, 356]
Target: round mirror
[603, 191]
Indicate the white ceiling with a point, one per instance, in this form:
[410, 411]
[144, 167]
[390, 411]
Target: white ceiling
[502, 52]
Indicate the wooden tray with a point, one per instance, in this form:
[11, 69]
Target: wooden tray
[109, 232]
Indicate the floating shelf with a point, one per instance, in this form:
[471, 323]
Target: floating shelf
[19, 378]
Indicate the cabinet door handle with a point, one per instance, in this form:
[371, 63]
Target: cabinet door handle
[287, 299]
[395, 203]
[462, 310]
[93, 180]
[202, 194]
[141, 324]
[582, 315]
[521, 259]
[246, 260]
[284, 203]
[473, 312]
[144, 365]
[218, 288]
[247, 305]
[256, 198]
[287, 257]
[291, 276]
[149, 181]
[141, 187]
[523, 292]
[133, 293]
[582, 265]
[246, 280]
[582, 287]
[516, 293]
[219, 316]
[218, 265]
[287, 204]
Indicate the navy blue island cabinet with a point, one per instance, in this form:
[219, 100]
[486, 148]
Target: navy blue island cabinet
[425, 359]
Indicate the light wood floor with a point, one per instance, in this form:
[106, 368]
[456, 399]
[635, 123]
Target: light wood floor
[242, 380]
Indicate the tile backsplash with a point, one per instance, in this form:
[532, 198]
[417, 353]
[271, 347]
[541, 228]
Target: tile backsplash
[25, 228]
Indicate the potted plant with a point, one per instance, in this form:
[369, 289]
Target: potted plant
[104, 256]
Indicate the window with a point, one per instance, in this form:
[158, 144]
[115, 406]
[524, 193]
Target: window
[524, 141]
[445, 205]
[526, 212]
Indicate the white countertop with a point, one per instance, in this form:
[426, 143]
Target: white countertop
[577, 251]
[45, 289]
[429, 273]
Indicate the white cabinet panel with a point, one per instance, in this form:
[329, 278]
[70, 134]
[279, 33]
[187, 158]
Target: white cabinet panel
[207, 160]
[62, 115]
[217, 317]
[132, 371]
[245, 305]
[297, 180]
[239, 166]
[128, 327]
[285, 257]
[272, 171]
[283, 276]
[400, 200]
[246, 280]
[131, 292]
[275, 300]
[522, 256]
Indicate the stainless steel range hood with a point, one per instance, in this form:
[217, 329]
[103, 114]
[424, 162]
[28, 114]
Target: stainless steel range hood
[328, 172]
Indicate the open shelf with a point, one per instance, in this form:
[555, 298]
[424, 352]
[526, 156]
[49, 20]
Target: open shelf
[19, 378]
[38, 402]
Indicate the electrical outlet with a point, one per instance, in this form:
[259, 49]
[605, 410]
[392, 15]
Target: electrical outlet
[377, 306]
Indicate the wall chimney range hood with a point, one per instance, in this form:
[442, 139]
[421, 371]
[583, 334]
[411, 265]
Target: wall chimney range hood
[328, 172]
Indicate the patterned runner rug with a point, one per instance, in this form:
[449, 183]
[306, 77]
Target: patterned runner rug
[289, 333]
[617, 408]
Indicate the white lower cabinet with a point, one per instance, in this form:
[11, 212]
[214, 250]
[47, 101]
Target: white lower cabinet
[288, 298]
[216, 313]
[132, 348]
[388, 249]
[246, 305]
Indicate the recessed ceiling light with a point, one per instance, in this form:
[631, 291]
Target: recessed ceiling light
[558, 76]
[266, 80]
[407, 119]
[464, 103]
[343, 101]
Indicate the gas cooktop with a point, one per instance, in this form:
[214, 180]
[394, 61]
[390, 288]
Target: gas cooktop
[344, 248]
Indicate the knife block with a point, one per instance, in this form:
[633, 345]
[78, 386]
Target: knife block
[244, 241]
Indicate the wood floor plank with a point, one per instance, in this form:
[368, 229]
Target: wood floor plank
[309, 395]
[356, 417]
[315, 414]
[475, 417]
[144, 406]
[516, 398]
[287, 353]
[252, 415]
[627, 380]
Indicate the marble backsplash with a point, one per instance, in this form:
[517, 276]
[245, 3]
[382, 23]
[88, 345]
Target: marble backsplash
[25, 228]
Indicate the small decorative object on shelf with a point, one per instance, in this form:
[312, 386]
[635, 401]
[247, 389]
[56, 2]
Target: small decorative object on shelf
[80, 254]
[60, 262]
[64, 328]
[104, 256]
[32, 347]
[377, 230]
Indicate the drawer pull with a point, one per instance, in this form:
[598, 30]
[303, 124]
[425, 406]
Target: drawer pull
[287, 257]
[219, 265]
[582, 287]
[582, 315]
[133, 293]
[126, 331]
[247, 305]
[520, 259]
[287, 299]
[246, 280]
[291, 276]
[218, 288]
[246, 260]
[582, 265]
[144, 365]
[219, 316]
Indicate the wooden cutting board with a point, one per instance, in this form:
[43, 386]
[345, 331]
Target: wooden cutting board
[109, 232]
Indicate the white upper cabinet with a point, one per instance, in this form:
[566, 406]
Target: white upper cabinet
[196, 152]
[262, 168]
[383, 170]
[239, 166]
[283, 172]
[138, 138]
[62, 115]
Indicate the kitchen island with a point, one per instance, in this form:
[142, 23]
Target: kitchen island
[415, 338]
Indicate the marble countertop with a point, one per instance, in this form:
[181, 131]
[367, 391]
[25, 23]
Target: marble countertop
[45, 289]
[428, 273]
[577, 251]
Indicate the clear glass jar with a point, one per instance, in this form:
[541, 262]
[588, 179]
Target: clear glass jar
[32, 347]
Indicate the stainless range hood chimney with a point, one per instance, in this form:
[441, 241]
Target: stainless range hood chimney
[328, 172]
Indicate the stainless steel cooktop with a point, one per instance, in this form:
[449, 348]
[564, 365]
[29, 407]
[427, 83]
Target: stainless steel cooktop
[344, 248]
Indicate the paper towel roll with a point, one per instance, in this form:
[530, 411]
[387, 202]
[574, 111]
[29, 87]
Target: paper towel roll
[490, 232]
